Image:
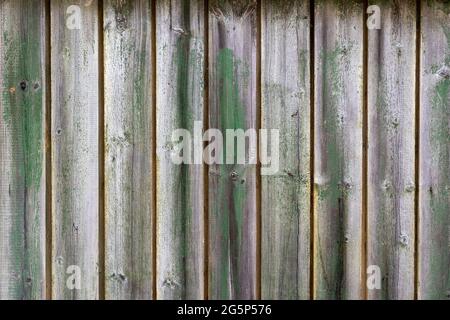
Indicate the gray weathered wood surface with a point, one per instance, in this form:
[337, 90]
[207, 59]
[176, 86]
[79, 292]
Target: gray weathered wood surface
[232, 188]
[22, 150]
[75, 150]
[338, 150]
[434, 197]
[391, 149]
[180, 45]
[91, 92]
[286, 106]
[128, 150]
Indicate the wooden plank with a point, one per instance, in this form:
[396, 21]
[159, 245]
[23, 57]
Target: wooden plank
[391, 153]
[128, 149]
[180, 188]
[338, 149]
[232, 105]
[434, 193]
[285, 196]
[22, 150]
[75, 145]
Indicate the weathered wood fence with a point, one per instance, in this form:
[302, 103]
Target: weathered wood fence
[91, 92]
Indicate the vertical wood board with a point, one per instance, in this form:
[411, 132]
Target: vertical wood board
[338, 150]
[286, 107]
[180, 49]
[232, 187]
[128, 150]
[22, 150]
[75, 148]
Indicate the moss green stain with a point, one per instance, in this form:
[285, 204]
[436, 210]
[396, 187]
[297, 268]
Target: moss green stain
[21, 97]
[303, 66]
[183, 61]
[446, 30]
[443, 5]
[439, 129]
[440, 195]
[232, 112]
[185, 68]
[336, 190]
[232, 76]
[22, 101]
[332, 87]
[122, 11]
[232, 116]
[184, 117]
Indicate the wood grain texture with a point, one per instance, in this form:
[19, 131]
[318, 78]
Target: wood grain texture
[22, 150]
[338, 149]
[128, 149]
[391, 149]
[286, 107]
[75, 148]
[214, 82]
[232, 105]
[180, 188]
[434, 196]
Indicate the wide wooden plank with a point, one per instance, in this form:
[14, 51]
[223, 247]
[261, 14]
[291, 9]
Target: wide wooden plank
[75, 149]
[434, 194]
[285, 195]
[128, 149]
[180, 49]
[22, 150]
[338, 149]
[232, 105]
[391, 149]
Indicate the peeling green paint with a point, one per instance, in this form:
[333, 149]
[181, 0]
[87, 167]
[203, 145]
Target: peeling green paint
[233, 76]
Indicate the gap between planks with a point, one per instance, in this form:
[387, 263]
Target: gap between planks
[101, 145]
[417, 150]
[258, 166]
[206, 166]
[312, 137]
[364, 220]
[153, 152]
[48, 154]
